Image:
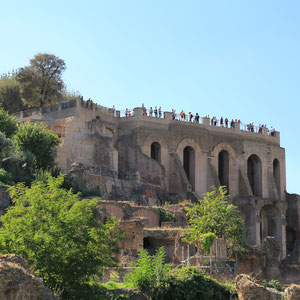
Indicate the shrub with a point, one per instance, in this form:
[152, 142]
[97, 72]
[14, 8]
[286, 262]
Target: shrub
[275, 284]
[149, 272]
[8, 124]
[190, 283]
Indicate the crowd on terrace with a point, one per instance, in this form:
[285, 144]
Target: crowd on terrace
[195, 118]
[157, 112]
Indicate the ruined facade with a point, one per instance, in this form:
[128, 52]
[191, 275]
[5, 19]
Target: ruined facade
[151, 160]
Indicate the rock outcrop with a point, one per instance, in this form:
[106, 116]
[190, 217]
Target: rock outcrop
[293, 292]
[248, 289]
[17, 282]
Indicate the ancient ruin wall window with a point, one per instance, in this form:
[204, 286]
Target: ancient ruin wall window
[223, 168]
[254, 172]
[155, 151]
[276, 174]
[189, 164]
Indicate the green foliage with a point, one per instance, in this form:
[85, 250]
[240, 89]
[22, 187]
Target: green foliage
[166, 215]
[40, 141]
[207, 240]
[8, 126]
[71, 183]
[190, 283]
[41, 82]
[5, 177]
[275, 284]
[149, 271]
[58, 234]
[215, 214]
[10, 98]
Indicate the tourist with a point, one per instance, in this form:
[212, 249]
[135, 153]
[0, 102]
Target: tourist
[159, 112]
[196, 120]
[221, 122]
[173, 114]
[155, 111]
[226, 123]
[232, 124]
[126, 112]
[272, 131]
[151, 111]
[114, 110]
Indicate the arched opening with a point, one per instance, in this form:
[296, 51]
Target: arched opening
[155, 151]
[223, 168]
[254, 172]
[270, 222]
[276, 175]
[290, 239]
[189, 164]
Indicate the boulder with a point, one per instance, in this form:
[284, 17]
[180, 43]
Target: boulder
[18, 282]
[293, 292]
[248, 289]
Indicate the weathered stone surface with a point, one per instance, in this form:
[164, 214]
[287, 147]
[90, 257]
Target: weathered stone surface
[293, 292]
[17, 282]
[248, 289]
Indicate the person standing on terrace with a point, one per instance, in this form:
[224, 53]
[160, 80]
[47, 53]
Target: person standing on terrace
[155, 111]
[159, 112]
[151, 111]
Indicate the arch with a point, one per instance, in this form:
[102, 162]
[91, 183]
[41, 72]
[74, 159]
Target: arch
[254, 172]
[109, 209]
[155, 151]
[189, 164]
[276, 175]
[200, 163]
[270, 223]
[223, 168]
[233, 167]
[290, 239]
[152, 218]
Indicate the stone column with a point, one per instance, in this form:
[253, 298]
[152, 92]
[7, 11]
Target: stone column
[168, 115]
[118, 114]
[206, 121]
[283, 238]
[138, 112]
[258, 241]
[237, 126]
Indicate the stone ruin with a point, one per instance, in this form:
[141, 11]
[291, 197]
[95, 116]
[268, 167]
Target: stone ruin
[142, 162]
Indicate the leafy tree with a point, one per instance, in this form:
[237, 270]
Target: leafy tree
[40, 141]
[215, 216]
[8, 126]
[41, 82]
[58, 234]
[10, 98]
[148, 272]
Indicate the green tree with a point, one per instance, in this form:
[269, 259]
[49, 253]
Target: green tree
[148, 271]
[10, 97]
[215, 216]
[58, 234]
[40, 141]
[8, 125]
[41, 82]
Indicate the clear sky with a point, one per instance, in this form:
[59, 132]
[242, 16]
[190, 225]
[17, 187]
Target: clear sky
[239, 59]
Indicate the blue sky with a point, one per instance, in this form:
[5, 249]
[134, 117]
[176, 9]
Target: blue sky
[239, 59]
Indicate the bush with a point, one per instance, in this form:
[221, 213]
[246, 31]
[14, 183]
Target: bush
[8, 124]
[275, 284]
[190, 283]
[40, 141]
[149, 272]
